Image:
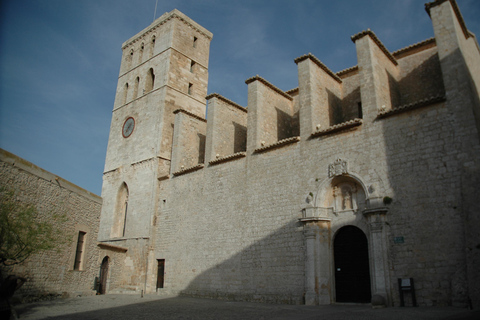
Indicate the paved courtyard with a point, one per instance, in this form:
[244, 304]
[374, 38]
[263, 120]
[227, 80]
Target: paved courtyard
[157, 307]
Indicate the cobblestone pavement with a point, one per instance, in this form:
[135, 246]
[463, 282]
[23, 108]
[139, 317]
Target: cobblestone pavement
[157, 307]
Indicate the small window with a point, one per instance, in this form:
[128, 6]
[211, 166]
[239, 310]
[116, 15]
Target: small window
[80, 249]
[190, 86]
[150, 81]
[360, 111]
[152, 46]
[191, 66]
[195, 42]
[125, 93]
[135, 88]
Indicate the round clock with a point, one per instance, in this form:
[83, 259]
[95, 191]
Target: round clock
[128, 127]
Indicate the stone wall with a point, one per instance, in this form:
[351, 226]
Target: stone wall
[52, 272]
[233, 229]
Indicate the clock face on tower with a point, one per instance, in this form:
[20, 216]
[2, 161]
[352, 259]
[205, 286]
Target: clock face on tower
[128, 127]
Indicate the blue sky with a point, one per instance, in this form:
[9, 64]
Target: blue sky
[60, 59]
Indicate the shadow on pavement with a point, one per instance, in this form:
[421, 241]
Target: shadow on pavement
[194, 308]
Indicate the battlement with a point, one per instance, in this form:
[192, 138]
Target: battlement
[381, 85]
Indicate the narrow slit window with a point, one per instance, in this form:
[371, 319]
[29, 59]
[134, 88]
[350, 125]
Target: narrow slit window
[190, 87]
[150, 82]
[152, 47]
[80, 249]
[360, 111]
[135, 88]
[125, 92]
[191, 66]
[195, 42]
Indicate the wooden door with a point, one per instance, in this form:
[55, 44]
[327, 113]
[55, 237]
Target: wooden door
[352, 271]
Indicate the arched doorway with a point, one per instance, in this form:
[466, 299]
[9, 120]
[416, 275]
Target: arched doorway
[102, 286]
[352, 271]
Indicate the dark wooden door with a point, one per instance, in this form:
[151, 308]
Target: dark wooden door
[352, 272]
[102, 287]
[160, 273]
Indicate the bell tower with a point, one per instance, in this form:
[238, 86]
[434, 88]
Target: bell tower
[164, 68]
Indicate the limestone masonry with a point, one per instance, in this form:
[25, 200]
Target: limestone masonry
[348, 188]
[55, 272]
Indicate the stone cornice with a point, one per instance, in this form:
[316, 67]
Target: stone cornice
[430, 5]
[347, 71]
[174, 14]
[230, 102]
[375, 39]
[277, 144]
[268, 84]
[320, 64]
[188, 113]
[293, 91]
[412, 106]
[338, 127]
[230, 157]
[425, 44]
[112, 247]
[189, 169]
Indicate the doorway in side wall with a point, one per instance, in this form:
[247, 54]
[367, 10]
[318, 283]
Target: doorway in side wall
[102, 289]
[160, 273]
[352, 271]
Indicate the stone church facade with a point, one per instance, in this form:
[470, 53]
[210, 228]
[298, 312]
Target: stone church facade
[329, 192]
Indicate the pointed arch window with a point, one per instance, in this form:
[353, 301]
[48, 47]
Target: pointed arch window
[152, 47]
[149, 83]
[135, 88]
[125, 92]
[140, 56]
[129, 59]
[121, 211]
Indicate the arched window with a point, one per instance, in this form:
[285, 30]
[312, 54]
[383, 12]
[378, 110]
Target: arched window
[135, 88]
[150, 81]
[129, 59]
[125, 92]
[140, 55]
[121, 210]
[152, 47]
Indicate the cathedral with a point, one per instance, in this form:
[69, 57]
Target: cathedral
[358, 186]
[355, 186]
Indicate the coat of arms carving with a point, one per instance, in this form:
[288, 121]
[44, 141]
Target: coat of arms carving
[338, 168]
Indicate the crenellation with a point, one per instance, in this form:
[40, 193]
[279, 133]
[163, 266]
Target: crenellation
[227, 128]
[189, 137]
[271, 115]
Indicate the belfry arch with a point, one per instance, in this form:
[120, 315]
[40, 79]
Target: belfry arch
[343, 202]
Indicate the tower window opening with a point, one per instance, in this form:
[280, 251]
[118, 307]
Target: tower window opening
[125, 92]
[191, 66]
[152, 46]
[150, 81]
[190, 86]
[135, 88]
[195, 42]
